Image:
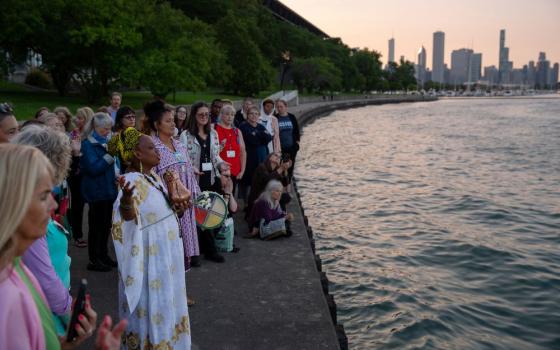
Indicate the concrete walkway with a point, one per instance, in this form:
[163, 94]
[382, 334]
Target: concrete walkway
[266, 296]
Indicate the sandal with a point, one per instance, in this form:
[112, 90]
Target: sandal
[80, 243]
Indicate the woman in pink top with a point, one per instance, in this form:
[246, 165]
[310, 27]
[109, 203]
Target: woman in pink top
[25, 320]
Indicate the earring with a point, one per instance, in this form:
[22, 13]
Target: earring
[157, 133]
[141, 170]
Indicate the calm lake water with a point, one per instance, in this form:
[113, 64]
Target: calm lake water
[439, 223]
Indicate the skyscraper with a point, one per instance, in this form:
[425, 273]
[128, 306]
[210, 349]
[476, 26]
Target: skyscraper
[475, 67]
[554, 75]
[460, 66]
[421, 66]
[505, 66]
[491, 75]
[391, 50]
[531, 74]
[438, 51]
[543, 68]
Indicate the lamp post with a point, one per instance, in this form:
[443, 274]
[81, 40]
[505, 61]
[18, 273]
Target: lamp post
[285, 63]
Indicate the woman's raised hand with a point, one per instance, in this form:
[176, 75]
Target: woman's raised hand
[127, 189]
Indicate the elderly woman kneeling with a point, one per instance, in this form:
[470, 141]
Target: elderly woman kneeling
[267, 217]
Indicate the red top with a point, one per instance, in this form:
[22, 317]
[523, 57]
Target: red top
[229, 143]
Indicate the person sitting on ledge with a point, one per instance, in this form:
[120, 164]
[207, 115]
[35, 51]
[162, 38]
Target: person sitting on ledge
[267, 208]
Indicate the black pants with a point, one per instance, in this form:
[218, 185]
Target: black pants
[76, 206]
[206, 242]
[99, 220]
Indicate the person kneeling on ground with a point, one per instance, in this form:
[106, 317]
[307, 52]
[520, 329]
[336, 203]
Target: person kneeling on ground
[267, 211]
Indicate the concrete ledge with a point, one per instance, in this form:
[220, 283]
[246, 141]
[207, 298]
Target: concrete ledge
[270, 295]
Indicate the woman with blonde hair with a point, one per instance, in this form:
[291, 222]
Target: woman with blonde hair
[53, 121]
[47, 258]
[26, 180]
[231, 143]
[63, 113]
[83, 117]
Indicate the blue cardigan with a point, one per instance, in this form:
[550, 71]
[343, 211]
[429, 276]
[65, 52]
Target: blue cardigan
[98, 172]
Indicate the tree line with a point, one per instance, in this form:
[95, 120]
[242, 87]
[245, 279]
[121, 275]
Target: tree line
[237, 45]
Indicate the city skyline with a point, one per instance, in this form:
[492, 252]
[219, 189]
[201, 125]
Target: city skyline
[531, 26]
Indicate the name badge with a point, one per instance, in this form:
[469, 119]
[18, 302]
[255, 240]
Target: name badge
[206, 166]
[230, 154]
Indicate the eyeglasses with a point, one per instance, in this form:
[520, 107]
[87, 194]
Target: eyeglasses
[5, 108]
[130, 116]
[203, 114]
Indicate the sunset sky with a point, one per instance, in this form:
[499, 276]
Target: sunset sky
[531, 26]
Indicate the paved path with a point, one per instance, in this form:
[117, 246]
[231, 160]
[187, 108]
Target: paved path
[266, 296]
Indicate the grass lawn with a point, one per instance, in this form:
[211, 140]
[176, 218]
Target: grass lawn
[26, 102]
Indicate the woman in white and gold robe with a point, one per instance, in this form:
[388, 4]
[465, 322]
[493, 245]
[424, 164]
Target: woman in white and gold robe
[152, 289]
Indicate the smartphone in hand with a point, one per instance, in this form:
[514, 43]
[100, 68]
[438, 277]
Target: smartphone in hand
[79, 307]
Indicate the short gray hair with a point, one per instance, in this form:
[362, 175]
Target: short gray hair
[98, 120]
[55, 145]
[225, 108]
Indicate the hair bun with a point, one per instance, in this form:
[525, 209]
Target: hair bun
[154, 108]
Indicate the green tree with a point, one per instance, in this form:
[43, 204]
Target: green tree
[368, 65]
[400, 76]
[405, 74]
[84, 38]
[180, 54]
[339, 54]
[316, 74]
[252, 72]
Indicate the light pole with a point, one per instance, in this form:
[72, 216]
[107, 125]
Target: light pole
[285, 63]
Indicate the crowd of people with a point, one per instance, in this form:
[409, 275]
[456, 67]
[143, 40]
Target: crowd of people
[140, 180]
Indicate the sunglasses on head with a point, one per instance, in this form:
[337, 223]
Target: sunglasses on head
[5, 108]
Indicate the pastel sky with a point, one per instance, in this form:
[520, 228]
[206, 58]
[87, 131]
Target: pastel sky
[531, 25]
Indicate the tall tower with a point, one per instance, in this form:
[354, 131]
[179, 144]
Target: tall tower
[421, 66]
[504, 66]
[391, 50]
[438, 68]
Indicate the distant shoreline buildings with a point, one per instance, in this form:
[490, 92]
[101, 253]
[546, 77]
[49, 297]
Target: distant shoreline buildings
[466, 68]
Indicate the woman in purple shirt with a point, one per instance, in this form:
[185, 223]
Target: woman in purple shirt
[173, 156]
[267, 208]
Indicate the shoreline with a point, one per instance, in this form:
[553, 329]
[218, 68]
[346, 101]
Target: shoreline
[304, 117]
[269, 295]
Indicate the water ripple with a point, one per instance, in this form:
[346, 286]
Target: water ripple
[439, 223]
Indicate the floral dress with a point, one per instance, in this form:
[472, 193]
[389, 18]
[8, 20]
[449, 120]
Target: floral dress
[152, 287]
[179, 162]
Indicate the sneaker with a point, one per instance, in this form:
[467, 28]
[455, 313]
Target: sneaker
[80, 243]
[98, 266]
